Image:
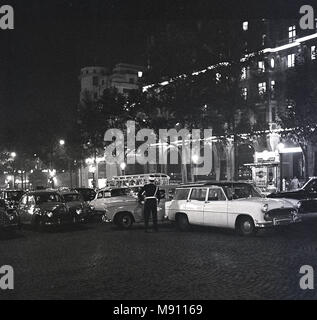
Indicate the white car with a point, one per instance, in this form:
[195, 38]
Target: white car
[111, 196]
[231, 205]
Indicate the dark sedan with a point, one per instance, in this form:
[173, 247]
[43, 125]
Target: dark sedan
[76, 206]
[9, 219]
[11, 197]
[307, 196]
[42, 208]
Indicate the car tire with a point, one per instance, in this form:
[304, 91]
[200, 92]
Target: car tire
[124, 221]
[245, 227]
[182, 222]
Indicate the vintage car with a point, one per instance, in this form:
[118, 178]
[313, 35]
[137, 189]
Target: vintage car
[305, 197]
[124, 210]
[87, 194]
[76, 205]
[228, 205]
[112, 195]
[9, 219]
[11, 197]
[44, 208]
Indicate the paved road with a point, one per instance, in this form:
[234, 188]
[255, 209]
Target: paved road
[97, 261]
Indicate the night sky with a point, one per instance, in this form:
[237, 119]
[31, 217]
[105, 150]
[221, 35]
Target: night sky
[40, 60]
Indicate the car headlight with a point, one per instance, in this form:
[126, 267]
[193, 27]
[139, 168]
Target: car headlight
[49, 214]
[265, 208]
[92, 207]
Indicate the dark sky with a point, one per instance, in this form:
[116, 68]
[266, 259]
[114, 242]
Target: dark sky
[40, 60]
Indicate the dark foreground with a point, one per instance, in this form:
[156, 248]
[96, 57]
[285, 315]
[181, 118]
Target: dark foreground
[97, 261]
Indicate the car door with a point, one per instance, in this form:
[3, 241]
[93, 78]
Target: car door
[311, 191]
[216, 208]
[195, 205]
[98, 203]
[22, 209]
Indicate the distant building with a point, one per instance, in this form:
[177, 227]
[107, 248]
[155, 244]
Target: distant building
[94, 80]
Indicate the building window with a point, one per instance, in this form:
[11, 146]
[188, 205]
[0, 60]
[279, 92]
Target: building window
[261, 66]
[272, 63]
[244, 73]
[245, 26]
[263, 39]
[313, 52]
[95, 81]
[245, 93]
[292, 33]
[273, 85]
[262, 88]
[291, 60]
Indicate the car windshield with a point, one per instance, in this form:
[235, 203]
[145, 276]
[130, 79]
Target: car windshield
[72, 197]
[14, 195]
[120, 192]
[241, 191]
[88, 195]
[47, 197]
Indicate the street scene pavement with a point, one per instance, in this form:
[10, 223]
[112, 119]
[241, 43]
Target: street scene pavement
[98, 261]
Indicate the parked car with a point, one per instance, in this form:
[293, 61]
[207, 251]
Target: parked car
[43, 208]
[11, 197]
[229, 205]
[88, 194]
[9, 219]
[124, 208]
[305, 197]
[112, 195]
[76, 205]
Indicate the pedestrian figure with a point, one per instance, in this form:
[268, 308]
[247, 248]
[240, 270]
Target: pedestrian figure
[150, 194]
[294, 184]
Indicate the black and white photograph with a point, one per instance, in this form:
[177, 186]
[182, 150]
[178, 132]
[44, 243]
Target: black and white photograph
[158, 155]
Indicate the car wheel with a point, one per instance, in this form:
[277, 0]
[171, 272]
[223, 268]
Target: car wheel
[182, 222]
[245, 227]
[125, 220]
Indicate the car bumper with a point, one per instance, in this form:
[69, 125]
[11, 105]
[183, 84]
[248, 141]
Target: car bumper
[277, 222]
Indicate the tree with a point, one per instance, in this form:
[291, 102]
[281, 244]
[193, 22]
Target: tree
[299, 117]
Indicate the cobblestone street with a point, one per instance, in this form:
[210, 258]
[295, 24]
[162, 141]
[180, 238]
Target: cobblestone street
[98, 261]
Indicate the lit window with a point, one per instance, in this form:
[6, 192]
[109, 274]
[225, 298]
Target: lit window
[244, 73]
[313, 52]
[261, 66]
[245, 93]
[262, 88]
[292, 33]
[245, 25]
[263, 39]
[272, 63]
[291, 60]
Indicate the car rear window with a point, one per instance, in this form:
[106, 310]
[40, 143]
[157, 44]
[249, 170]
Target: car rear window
[181, 194]
[72, 197]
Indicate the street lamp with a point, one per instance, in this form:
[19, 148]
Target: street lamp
[195, 159]
[13, 155]
[280, 148]
[123, 166]
[62, 142]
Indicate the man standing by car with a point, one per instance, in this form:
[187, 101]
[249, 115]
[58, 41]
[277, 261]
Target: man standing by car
[150, 193]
